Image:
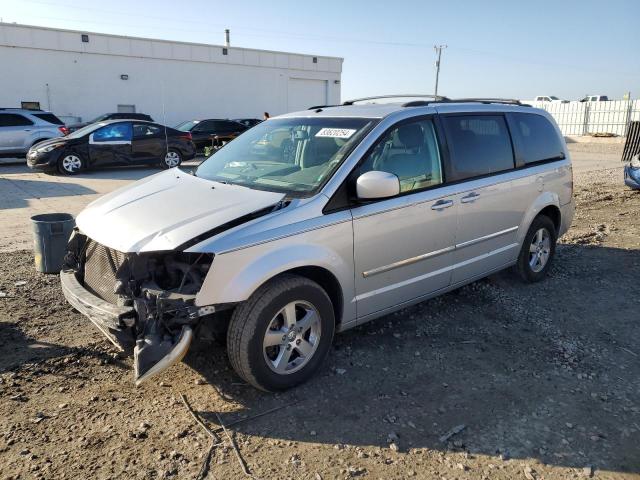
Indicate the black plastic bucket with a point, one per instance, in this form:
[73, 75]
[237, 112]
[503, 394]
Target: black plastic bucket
[51, 232]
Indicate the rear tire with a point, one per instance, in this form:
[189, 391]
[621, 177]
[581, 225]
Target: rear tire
[280, 336]
[173, 158]
[538, 250]
[70, 163]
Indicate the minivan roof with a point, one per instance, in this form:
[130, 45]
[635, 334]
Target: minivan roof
[380, 110]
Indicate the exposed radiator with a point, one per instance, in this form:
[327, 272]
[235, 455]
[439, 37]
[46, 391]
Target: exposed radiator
[100, 269]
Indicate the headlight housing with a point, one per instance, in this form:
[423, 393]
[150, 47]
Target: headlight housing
[635, 162]
[48, 148]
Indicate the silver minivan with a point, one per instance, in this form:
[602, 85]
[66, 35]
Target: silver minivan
[317, 221]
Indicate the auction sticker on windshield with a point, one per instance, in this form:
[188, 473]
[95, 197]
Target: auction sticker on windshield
[336, 132]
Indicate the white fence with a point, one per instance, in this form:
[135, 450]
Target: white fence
[584, 118]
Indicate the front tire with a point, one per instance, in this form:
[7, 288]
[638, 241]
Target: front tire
[538, 250]
[70, 163]
[280, 336]
[173, 158]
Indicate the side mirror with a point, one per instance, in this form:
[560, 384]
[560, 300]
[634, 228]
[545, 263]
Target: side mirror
[372, 185]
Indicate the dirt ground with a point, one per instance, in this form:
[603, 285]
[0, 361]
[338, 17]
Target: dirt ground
[530, 381]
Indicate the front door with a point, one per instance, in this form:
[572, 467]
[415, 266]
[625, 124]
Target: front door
[403, 246]
[15, 129]
[111, 145]
[149, 143]
[481, 163]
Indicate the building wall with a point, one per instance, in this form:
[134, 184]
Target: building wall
[170, 81]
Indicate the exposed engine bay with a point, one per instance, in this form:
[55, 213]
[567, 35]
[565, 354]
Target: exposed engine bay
[153, 293]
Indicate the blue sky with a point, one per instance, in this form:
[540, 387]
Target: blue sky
[498, 48]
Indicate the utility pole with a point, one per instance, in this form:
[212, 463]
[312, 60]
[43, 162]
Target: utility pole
[438, 48]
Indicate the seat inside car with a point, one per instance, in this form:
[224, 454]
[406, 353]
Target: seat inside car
[409, 158]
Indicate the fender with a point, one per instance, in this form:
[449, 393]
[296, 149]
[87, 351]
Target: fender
[235, 275]
[543, 200]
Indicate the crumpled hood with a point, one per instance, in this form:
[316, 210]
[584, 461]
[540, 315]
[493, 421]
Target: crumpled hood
[163, 211]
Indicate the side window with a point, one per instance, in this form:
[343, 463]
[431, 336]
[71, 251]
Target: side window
[204, 127]
[14, 120]
[144, 130]
[479, 144]
[538, 140]
[116, 132]
[410, 152]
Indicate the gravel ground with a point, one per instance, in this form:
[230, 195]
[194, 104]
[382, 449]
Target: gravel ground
[494, 380]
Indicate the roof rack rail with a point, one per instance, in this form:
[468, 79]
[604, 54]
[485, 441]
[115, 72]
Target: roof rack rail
[505, 101]
[321, 106]
[436, 98]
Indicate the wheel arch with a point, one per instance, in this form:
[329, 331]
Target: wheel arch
[547, 203]
[226, 283]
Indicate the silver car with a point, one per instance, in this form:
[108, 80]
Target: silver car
[20, 129]
[317, 221]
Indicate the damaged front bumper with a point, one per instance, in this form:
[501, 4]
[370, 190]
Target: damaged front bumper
[153, 354]
[112, 320]
[140, 303]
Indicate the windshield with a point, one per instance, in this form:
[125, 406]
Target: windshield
[187, 126]
[290, 155]
[84, 130]
[554, 98]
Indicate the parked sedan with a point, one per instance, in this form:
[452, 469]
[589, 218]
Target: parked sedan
[204, 131]
[112, 143]
[632, 173]
[110, 116]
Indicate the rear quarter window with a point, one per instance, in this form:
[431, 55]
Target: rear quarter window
[480, 145]
[537, 139]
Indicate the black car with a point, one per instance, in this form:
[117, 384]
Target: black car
[203, 131]
[112, 143]
[111, 116]
[248, 122]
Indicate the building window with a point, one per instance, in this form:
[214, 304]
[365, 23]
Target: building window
[315, 59]
[225, 51]
[85, 38]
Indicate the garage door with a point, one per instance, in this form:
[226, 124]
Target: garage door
[305, 93]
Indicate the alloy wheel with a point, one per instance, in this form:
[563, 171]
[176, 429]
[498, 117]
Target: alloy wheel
[172, 159]
[539, 250]
[292, 337]
[71, 163]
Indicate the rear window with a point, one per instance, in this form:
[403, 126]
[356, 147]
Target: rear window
[480, 145]
[538, 140]
[49, 117]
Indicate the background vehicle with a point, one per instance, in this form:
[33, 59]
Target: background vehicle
[375, 208]
[110, 143]
[111, 116]
[20, 129]
[632, 173]
[202, 131]
[248, 122]
[595, 98]
[549, 98]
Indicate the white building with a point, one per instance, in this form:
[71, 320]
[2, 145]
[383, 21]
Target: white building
[80, 75]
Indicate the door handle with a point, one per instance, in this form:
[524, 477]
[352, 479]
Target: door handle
[470, 198]
[442, 204]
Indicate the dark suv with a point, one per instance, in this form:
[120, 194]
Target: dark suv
[203, 131]
[111, 116]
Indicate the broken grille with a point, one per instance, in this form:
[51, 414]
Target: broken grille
[101, 265]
